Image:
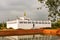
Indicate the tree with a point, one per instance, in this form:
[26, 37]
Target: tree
[2, 25]
[53, 6]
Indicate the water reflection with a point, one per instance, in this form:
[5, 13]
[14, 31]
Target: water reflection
[31, 37]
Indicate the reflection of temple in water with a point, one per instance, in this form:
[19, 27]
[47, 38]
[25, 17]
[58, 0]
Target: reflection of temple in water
[31, 37]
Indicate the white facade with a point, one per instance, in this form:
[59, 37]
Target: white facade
[27, 23]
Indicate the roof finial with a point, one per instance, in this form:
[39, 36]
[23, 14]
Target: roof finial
[24, 13]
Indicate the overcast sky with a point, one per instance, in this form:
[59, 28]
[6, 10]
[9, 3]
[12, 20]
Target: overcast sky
[10, 9]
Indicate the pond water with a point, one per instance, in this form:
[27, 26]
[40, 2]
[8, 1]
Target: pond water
[31, 37]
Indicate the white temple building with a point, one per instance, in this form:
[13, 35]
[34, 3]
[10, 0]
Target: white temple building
[27, 23]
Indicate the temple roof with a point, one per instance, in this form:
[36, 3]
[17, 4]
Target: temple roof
[24, 18]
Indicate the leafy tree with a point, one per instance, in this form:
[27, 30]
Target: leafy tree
[53, 6]
[2, 25]
[56, 25]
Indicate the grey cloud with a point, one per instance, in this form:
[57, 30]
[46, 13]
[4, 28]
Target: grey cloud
[9, 9]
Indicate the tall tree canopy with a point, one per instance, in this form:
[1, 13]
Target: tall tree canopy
[53, 6]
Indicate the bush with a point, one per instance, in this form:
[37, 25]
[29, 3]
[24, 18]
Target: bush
[56, 25]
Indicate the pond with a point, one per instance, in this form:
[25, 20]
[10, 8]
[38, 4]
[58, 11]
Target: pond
[30, 37]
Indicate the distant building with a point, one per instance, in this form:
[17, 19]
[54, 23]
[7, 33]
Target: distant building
[27, 23]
